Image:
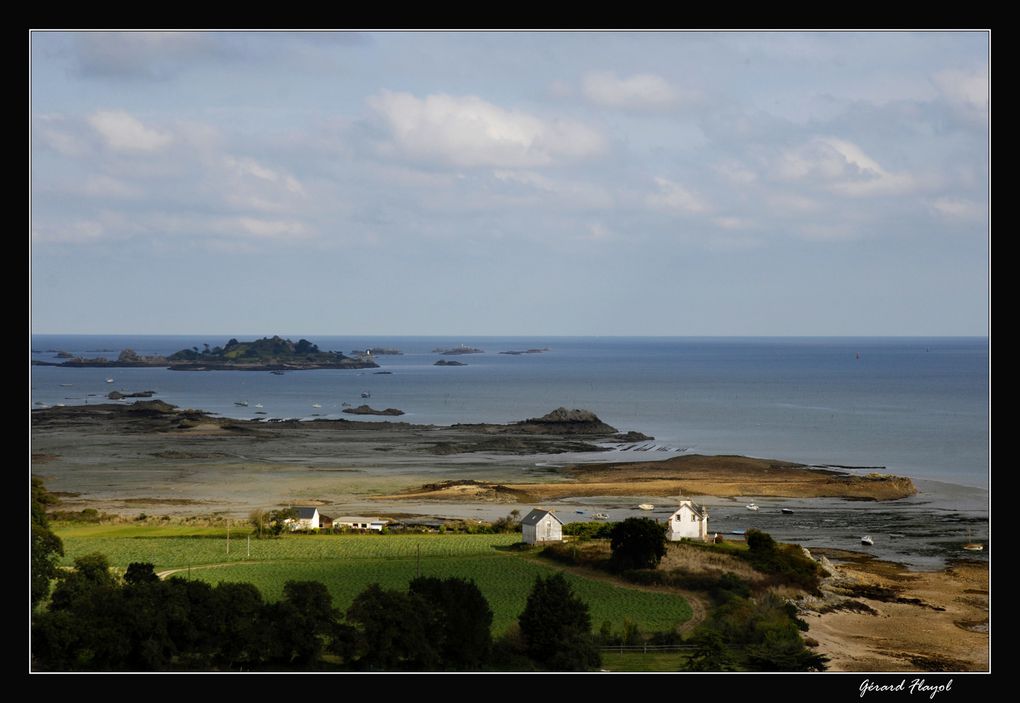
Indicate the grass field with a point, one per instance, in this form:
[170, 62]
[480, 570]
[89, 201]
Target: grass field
[349, 563]
[636, 661]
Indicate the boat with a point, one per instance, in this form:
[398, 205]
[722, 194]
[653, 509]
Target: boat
[974, 547]
[66, 385]
[579, 512]
[276, 373]
[600, 516]
[258, 405]
[316, 405]
[109, 380]
[241, 403]
[366, 394]
[866, 539]
[751, 506]
[646, 506]
[786, 511]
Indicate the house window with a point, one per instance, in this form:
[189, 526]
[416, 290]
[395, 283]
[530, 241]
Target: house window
[694, 518]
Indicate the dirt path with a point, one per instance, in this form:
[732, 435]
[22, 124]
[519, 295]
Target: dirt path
[167, 573]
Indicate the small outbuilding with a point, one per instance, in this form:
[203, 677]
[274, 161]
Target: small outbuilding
[541, 526]
[350, 522]
[690, 521]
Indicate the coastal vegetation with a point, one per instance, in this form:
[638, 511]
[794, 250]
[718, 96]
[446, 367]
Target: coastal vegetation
[266, 354]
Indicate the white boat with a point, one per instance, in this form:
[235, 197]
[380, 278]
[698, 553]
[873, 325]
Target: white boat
[241, 403]
[109, 380]
[751, 506]
[258, 405]
[866, 539]
[316, 405]
[646, 506]
[366, 394]
[600, 516]
[974, 547]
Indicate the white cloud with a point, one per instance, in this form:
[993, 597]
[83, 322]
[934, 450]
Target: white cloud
[644, 91]
[254, 169]
[966, 88]
[674, 197]
[959, 208]
[843, 168]
[468, 131]
[123, 132]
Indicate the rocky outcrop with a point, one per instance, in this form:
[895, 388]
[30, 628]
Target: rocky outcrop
[458, 350]
[368, 410]
[564, 421]
[117, 395]
[447, 362]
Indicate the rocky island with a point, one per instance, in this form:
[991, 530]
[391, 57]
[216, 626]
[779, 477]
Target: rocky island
[266, 354]
[452, 351]
[369, 410]
[448, 362]
[525, 351]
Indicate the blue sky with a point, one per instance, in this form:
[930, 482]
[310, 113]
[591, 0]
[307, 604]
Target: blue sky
[510, 183]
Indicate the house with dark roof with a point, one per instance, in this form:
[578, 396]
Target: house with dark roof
[690, 521]
[306, 518]
[541, 526]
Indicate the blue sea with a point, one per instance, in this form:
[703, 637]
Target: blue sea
[916, 406]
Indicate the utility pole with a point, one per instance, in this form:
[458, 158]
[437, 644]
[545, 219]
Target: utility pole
[228, 536]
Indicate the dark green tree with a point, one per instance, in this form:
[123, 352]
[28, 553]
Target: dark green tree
[138, 573]
[302, 623]
[46, 546]
[394, 631]
[711, 653]
[556, 627]
[463, 620]
[638, 543]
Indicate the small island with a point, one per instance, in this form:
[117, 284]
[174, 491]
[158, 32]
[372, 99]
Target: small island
[448, 362]
[525, 351]
[266, 354]
[368, 410]
[451, 351]
[377, 351]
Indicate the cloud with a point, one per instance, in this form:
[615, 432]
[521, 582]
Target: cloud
[960, 208]
[965, 88]
[145, 55]
[843, 168]
[674, 197]
[123, 132]
[468, 131]
[642, 91]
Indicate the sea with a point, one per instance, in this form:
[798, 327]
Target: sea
[914, 406]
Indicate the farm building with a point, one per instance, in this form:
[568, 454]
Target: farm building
[541, 526]
[306, 519]
[690, 521]
[360, 523]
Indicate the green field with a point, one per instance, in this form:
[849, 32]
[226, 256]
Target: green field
[349, 563]
[637, 661]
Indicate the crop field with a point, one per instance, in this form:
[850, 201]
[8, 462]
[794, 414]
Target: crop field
[349, 563]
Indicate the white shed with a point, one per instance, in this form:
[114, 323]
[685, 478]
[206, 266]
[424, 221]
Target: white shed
[690, 521]
[354, 522]
[541, 526]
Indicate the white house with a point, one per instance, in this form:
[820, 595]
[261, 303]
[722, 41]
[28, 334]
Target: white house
[541, 526]
[305, 519]
[360, 523]
[690, 521]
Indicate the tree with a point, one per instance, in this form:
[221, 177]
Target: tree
[463, 620]
[46, 546]
[638, 543]
[556, 627]
[138, 573]
[394, 631]
[711, 653]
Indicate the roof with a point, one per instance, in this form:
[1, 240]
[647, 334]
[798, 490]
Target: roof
[304, 513]
[695, 508]
[536, 516]
[360, 519]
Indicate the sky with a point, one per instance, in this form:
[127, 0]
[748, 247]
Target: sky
[526, 183]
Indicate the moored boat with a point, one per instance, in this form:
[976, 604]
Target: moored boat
[866, 539]
[751, 506]
[786, 511]
[974, 547]
[646, 506]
